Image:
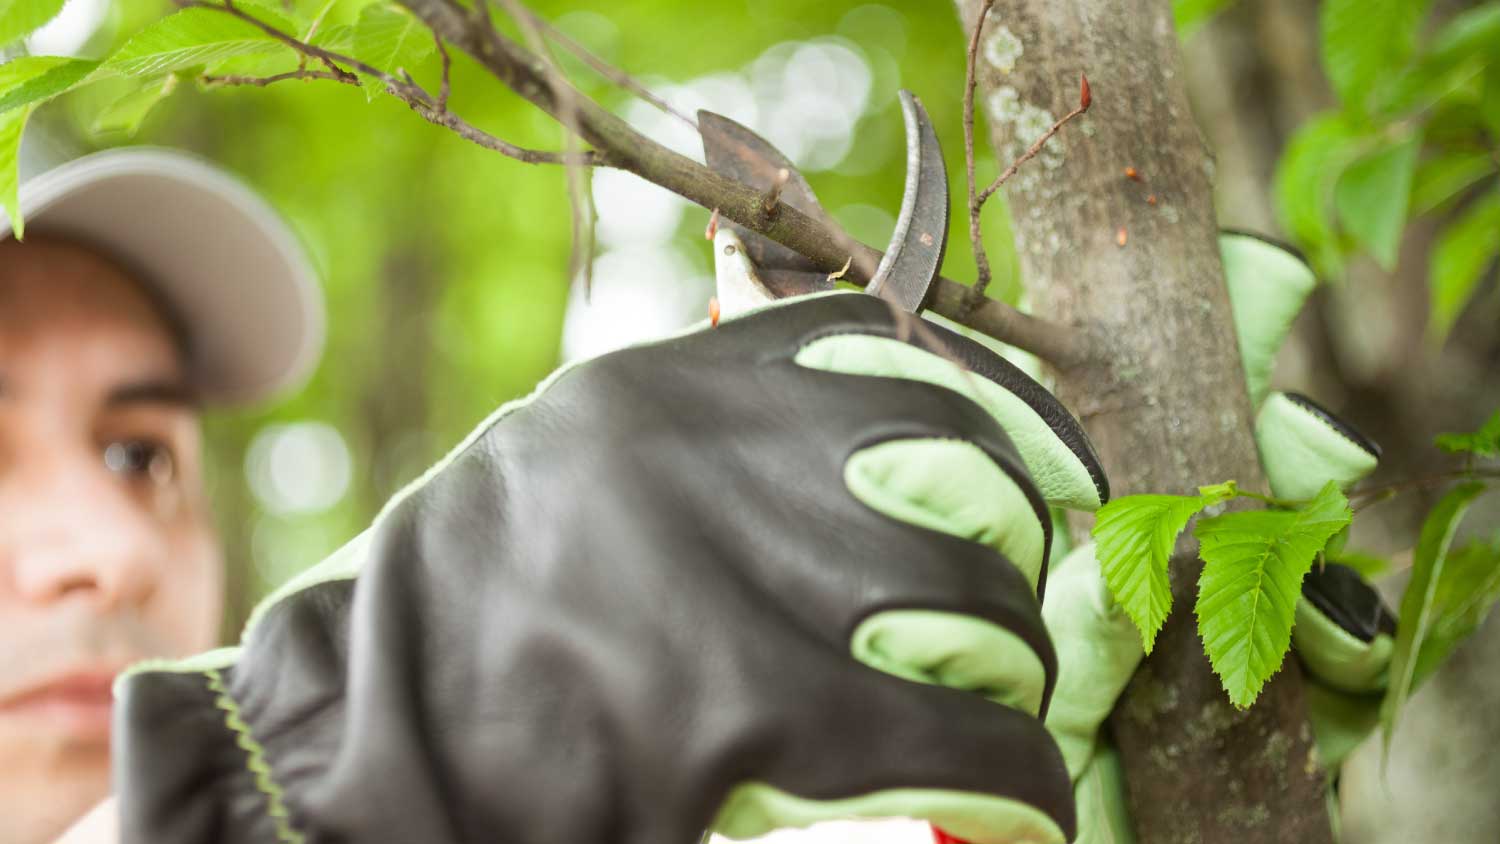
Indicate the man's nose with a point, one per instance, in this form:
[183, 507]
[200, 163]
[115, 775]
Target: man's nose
[70, 531]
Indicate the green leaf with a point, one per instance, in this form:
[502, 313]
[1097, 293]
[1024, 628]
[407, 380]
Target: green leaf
[1489, 98]
[57, 75]
[1419, 605]
[1367, 564]
[11, 124]
[1364, 40]
[1135, 535]
[19, 18]
[126, 113]
[1191, 14]
[1463, 252]
[24, 84]
[1484, 442]
[339, 38]
[1305, 179]
[194, 37]
[1254, 562]
[389, 38]
[1466, 590]
[1440, 179]
[1471, 33]
[1371, 197]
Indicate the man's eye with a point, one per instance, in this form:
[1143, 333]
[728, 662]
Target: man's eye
[143, 459]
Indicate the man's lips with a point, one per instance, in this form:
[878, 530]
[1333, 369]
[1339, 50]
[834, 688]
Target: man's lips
[78, 703]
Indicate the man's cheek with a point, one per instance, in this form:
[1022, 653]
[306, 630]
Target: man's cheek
[190, 599]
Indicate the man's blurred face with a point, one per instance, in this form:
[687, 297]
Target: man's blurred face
[107, 554]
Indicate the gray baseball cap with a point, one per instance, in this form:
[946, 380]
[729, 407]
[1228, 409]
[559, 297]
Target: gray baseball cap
[226, 265]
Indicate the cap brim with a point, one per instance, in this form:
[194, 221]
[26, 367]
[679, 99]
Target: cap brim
[228, 267]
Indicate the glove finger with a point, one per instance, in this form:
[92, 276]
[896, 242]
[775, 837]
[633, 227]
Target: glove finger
[1268, 282]
[1053, 445]
[1303, 446]
[1344, 633]
[953, 486]
[984, 773]
[1097, 652]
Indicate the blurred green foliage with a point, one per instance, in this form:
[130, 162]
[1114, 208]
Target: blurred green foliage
[1416, 134]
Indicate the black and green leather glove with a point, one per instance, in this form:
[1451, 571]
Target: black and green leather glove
[684, 586]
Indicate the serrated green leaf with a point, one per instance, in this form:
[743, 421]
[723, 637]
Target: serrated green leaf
[1191, 14]
[194, 37]
[11, 125]
[24, 84]
[126, 113]
[1364, 40]
[1371, 197]
[1254, 563]
[1484, 442]
[1305, 179]
[1134, 537]
[19, 18]
[339, 38]
[389, 38]
[1464, 250]
[1440, 179]
[1419, 605]
[55, 78]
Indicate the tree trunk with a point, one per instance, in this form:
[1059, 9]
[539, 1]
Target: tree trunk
[1162, 392]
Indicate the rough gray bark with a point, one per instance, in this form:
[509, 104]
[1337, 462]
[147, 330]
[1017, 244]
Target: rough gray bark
[1161, 392]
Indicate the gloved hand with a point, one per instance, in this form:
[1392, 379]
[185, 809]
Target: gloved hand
[651, 600]
[1342, 633]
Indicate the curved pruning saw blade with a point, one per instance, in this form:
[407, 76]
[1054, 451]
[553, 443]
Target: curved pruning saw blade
[909, 267]
[911, 262]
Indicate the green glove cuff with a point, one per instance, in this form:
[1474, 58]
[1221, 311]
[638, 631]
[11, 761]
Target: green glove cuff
[1267, 286]
[1098, 650]
[1303, 446]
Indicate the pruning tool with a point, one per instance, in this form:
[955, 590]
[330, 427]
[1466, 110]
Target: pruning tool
[751, 269]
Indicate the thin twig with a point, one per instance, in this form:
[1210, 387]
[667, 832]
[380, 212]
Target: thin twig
[407, 90]
[981, 260]
[263, 81]
[1085, 99]
[1374, 495]
[580, 193]
[445, 87]
[608, 71]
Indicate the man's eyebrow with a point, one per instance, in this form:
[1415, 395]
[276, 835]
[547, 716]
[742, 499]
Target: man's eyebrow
[168, 391]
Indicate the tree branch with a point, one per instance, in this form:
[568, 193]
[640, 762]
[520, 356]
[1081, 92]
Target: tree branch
[408, 91]
[625, 148]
